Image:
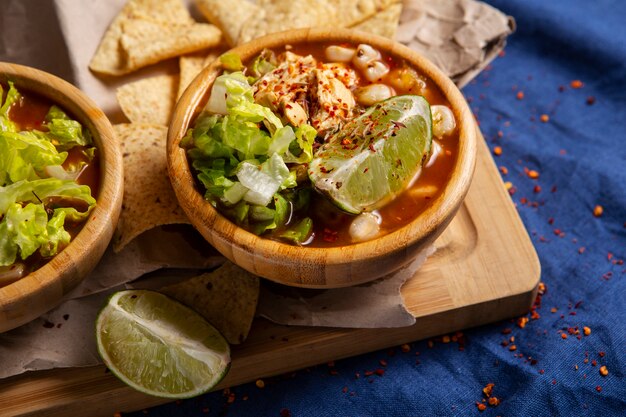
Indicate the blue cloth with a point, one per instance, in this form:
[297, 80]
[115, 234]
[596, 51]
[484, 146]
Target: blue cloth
[580, 154]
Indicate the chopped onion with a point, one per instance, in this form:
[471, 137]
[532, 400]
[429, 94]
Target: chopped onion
[365, 226]
[11, 273]
[58, 172]
[423, 191]
[373, 93]
[443, 120]
[433, 156]
[339, 53]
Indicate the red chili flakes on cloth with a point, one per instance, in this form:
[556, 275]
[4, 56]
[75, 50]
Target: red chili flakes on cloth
[491, 400]
[576, 84]
[544, 118]
[497, 151]
[604, 371]
[532, 174]
[520, 95]
[586, 331]
[521, 322]
[598, 210]
[590, 100]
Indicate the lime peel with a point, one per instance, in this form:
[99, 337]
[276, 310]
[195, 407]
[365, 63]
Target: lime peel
[375, 156]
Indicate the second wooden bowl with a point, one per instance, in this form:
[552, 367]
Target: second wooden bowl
[320, 267]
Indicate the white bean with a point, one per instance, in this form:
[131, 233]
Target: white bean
[340, 53]
[375, 71]
[443, 120]
[364, 55]
[365, 226]
[373, 93]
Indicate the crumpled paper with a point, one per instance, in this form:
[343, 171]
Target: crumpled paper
[462, 36]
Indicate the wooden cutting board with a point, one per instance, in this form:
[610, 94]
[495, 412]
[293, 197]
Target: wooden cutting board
[485, 270]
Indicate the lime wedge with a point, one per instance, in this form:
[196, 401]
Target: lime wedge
[159, 346]
[374, 156]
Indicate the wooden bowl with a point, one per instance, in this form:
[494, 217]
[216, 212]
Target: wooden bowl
[320, 267]
[43, 289]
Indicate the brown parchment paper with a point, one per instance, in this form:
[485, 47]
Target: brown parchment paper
[461, 36]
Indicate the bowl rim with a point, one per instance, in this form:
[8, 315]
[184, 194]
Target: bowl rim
[417, 232]
[80, 256]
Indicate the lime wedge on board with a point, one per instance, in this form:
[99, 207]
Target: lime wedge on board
[159, 346]
[374, 157]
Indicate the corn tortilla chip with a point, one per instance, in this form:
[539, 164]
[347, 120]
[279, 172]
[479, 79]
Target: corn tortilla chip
[141, 19]
[384, 23]
[191, 65]
[229, 16]
[145, 43]
[149, 200]
[226, 297]
[149, 100]
[279, 15]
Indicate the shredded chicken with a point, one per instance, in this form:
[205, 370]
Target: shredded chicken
[301, 89]
[332, 98]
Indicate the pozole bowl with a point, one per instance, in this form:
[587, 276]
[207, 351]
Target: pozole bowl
[321, 267]
[44, 288]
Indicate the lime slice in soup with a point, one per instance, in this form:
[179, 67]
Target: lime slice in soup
[159, 346]
[374, 157]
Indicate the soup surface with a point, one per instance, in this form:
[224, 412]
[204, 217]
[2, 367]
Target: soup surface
[49, 176]
[322, 145]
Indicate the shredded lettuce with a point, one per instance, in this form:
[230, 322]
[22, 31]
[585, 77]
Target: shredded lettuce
[6, 125]
[66, 131]
[35, 206]
[24, 155]
[231, 62]
[240, 150]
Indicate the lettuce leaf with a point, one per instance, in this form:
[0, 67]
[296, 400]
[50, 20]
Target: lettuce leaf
[67, 132]
[6, 125]
[27, 229]
[43, 190]
[24, 155]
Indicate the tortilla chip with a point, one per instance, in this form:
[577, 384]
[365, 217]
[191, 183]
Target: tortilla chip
[279, 15]
[149, 200]
[226, 297]
[145, 42]
[384, 23]
[156, 20]
[229, 16]
[149, 100]
[191, 65]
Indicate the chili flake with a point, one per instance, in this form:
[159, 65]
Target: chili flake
[586, 331]
[598, 210]
[494, 401]
[260, 383]
[532, 174]
[497, 151]
[520, 95]
[576, 84]
[604, 371]
[544, 118]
